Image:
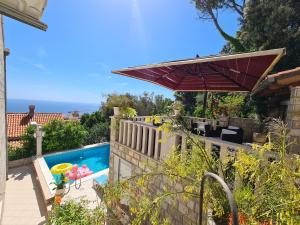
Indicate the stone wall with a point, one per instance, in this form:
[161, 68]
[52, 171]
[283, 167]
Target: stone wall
[20, 162]
[178, 211]
[293, 118]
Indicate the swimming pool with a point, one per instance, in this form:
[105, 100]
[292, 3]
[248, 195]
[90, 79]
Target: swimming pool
[95, 158]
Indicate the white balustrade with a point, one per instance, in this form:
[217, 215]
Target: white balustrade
[154, 143]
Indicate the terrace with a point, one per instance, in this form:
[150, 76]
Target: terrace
[146, 138]
[139, 144]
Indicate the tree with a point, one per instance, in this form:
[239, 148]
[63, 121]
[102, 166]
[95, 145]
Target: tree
[161, 104]
[97, 133]
[89, 120]
[188, 99]
[145, 104]
[97, 127]
[273, 24]
[208, 10]
[264, 25]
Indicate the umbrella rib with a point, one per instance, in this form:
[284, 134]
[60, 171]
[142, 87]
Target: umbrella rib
[228, 69]
[227, 77]
[166, 74]
[202, 76]
[193, 74]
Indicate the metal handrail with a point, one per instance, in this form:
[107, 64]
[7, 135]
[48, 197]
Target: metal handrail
[232, 203]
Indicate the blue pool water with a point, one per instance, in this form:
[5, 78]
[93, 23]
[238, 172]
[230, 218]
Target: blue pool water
[96, 158]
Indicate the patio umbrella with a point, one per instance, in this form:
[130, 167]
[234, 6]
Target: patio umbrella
[223, 73]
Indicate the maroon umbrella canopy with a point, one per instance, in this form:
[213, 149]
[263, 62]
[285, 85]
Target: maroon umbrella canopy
[224, 73]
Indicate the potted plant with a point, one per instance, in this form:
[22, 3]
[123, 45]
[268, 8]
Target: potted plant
[224, 119]
[60, 185]
[155, 120]
[128, 113]
[262, 135]
[118, 103]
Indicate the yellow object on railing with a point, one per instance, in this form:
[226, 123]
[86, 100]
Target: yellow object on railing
[61, 168]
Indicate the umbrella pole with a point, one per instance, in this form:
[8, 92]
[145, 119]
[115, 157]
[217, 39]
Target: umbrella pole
[204, 104]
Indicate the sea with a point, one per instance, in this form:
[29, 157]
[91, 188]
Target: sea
[21, 105]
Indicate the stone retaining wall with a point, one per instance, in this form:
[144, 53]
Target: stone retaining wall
[178, 211]
[20, 162]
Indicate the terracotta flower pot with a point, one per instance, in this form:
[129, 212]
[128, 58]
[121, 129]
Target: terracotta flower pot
[259, 138]
[57, 199]
[242, 219]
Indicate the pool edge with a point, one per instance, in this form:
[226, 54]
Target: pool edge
[45, 177]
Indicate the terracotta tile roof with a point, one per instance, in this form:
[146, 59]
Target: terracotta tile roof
[281, 80]
[18, 122]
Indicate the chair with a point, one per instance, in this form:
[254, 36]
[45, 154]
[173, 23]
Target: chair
[203, 128]
[239, 131]
[229, 135]
[217, 132]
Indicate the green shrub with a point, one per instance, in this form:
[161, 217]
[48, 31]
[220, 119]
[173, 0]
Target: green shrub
[76, 213]
[18, 153]
[29, 142]
[59, 135]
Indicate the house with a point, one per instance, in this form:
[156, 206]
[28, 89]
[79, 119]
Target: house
[282, 90]
[18, 122]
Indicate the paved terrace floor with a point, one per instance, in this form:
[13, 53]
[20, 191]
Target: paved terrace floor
[23, 203]
[85, 192]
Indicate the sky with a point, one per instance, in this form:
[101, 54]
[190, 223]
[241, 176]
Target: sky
[72, 61]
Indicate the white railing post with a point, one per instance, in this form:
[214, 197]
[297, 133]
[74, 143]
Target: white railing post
[150, 142]
[129, 133]
[157, 145]
[120, 130]
[144, 142]
[124, 132]
[139, 138]
[133, 139]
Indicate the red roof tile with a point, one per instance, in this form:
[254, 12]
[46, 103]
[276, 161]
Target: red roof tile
[16, 126]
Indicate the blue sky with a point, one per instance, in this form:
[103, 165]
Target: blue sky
[86, 39]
